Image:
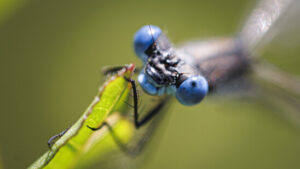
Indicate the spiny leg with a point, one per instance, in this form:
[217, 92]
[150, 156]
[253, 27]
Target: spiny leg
[133, 150]
[97, 128]
[52, 140]
[109, 70]
[114, 136]
[149, 115]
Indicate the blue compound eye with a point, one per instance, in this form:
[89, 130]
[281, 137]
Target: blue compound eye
[192, 90]
[144, 38]
[148, 87]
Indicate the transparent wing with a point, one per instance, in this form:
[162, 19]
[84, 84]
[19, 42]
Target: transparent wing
[267, 19]
[276, 20]
[261, 20]
[123, 158]
[279, 89]
[148, 104]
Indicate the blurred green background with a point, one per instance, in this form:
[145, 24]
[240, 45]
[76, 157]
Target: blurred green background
[52, 52]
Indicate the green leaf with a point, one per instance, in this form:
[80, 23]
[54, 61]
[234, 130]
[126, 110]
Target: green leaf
[80, 146]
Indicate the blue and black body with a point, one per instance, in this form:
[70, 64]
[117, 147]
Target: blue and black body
[195, 69]
[190, 72]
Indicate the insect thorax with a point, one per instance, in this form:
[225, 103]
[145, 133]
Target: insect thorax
[162, 68]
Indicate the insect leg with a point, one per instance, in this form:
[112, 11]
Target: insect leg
[114, 136]
[138, 123]
[108, 70]
[52, 140]
[134, 150]
[140, 144]
[98, 128]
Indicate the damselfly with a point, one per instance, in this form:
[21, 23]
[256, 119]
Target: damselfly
[195, 69]
[192, 71]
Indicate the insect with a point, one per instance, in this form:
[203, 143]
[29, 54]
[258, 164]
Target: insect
[191, 71]
[196, 69]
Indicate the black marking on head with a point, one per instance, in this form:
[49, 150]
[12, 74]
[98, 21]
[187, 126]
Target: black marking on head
[151, 34]
[193, 84]
[180, 80]
[162, 62]
[152, 49]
